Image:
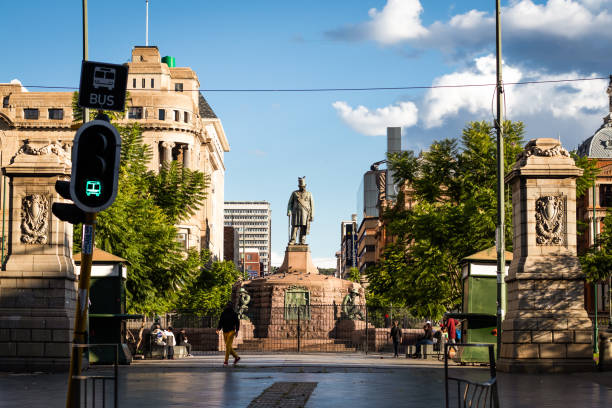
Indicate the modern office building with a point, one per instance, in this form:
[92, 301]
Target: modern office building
[177, 124]
[348, 247]
[253, 219]
[377, 189]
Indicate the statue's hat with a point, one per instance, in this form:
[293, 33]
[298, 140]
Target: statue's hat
[302, 181]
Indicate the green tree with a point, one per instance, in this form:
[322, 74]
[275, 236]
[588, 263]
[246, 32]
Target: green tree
[354, 275]
[139, 226]
[597, 262]
[211, 289]
[454, 185]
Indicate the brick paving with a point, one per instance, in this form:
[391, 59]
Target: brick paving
[342, 380]
[284, 394]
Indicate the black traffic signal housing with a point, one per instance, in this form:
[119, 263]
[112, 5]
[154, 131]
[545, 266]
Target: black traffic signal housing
[95, 166]
[65, 211]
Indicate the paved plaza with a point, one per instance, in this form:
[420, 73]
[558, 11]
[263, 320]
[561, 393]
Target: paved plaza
[325, 380]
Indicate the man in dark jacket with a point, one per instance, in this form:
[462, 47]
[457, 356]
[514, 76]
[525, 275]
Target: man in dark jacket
[230, 323]
[396, 335]
[426, 339]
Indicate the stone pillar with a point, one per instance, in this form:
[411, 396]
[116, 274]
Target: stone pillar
[167, 152]
[187, 156]
[546, 328]
[37, 282]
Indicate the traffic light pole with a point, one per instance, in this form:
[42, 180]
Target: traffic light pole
[80, 320]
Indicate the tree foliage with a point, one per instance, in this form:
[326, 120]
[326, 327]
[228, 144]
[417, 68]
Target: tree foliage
[455, 214]
[453, 187]
[597, 262]
[140, 227]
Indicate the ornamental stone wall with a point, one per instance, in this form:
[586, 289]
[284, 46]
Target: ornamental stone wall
[37, 282]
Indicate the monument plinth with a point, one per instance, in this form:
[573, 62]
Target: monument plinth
[37, 283]
[298, 260]
[298, 301]
[546, 328]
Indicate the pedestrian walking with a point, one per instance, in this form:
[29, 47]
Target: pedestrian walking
[230, 324]
[396, 336]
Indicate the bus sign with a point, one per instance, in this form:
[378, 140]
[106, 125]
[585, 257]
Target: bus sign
[103, 86]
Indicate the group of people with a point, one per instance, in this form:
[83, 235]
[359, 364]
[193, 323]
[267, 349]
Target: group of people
[448, 330]
[167, 339]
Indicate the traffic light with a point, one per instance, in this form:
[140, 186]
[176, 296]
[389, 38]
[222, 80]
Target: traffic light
[65, 211]
[95, 166]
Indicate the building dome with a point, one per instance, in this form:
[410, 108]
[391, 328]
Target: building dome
[598, 146]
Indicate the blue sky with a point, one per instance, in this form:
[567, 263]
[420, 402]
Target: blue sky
[333, 137]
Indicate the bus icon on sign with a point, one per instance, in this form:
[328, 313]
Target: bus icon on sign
[93, 188]
[104, 78]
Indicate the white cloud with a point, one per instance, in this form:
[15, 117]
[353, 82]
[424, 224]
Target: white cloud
[324, 262]
[560, 34]
[18, 82]
[578, 100]
[375, 122]
[399, 20]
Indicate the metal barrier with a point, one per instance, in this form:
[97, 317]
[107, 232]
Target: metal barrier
[297, 329]
[93, 389]
[470, 393]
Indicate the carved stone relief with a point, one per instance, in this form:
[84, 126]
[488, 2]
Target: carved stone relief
[533, 150]
[550, 220]
[53, 148]
[34, 217]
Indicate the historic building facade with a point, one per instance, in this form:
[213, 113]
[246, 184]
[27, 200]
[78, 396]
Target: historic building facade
[177, 123]
[591, 208]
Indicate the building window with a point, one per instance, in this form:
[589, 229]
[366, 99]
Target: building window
[605, 195]
[186, 117]
[152, 83]
[144, 83]
[177, 116]
[135, 112]
[181, 237]
[30, 113]
[162, 114]
[5, 101]
[178, 87]
[134, 83]
[56, 114]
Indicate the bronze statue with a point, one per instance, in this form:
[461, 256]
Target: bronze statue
[350, 308]
[243, 300]
[301, 211]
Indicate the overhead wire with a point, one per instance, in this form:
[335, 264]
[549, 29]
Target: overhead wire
[376, 88]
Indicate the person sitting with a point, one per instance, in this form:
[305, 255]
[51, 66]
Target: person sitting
[181, 340]
[426, 339]
[158, 337]
[170, 342]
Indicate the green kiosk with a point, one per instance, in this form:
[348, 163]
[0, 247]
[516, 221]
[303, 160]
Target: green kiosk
[479, 317]
[107, 307]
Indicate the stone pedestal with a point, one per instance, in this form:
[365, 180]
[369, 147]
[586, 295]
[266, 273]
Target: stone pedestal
[37, 281]
[298, 260]
[546, 328]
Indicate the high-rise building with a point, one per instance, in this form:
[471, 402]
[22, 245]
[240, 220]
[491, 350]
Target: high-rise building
[253, 219]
